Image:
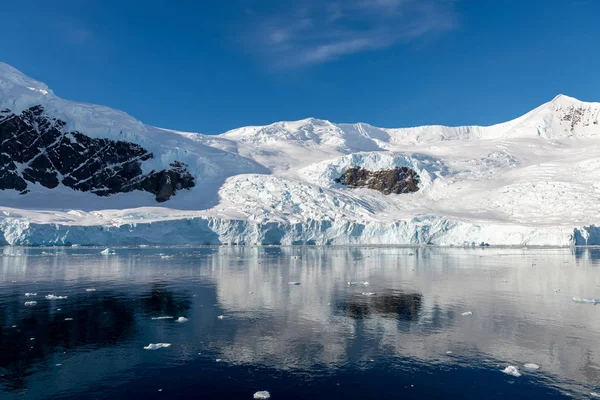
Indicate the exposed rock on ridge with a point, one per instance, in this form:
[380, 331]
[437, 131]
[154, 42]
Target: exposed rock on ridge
[389, 181]
[35, 148]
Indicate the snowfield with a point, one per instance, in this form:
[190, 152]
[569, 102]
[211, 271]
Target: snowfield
[530, 181]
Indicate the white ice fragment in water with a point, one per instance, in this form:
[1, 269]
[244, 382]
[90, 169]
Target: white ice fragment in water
[30, 303]
[263, 394]
[218, 360]
[512, 370]
[58, 365]
[108, 252]
[585, 300]
[68, 319]
[30, 294]
[594, 394]
[181, 319]
[368, 294]
[531, 366]
[156, 346]
[448, 352]
[366, 283]
[221, 316]
[54, 297]
[165, 257]
[90, 290]
[467, 313]
[162, 317]
[294, 283]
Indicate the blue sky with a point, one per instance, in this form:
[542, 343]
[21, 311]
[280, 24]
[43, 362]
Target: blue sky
[210, 66]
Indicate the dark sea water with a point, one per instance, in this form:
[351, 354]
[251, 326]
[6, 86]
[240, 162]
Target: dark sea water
[321, 339]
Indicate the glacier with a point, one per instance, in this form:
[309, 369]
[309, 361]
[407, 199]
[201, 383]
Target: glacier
[530, 181]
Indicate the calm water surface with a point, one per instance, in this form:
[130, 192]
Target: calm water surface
[322, 339]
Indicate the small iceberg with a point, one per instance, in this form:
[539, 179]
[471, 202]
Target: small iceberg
[467, 313]
[531, 366]
[181, 320]
[30, 303]
[584, 300]
[368, 294]
[294, 283]
[156, 346]
[53, 297]
[512, 370]
[30, 294]
[263, 394]
[68, 319]
[108, 252]
[221, 316]
[162, 317]
[90, 290]
[365, 283]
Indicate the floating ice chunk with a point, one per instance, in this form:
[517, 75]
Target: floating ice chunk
[293, 283]
[263, 394]
[181, 319]
[165, 257]
[108, 252]
[585, 300]
[221, 316]
[54, 297]
[448, 352]
[68, 319]
[366, 283]
[218, 360]
[162, 317]
[531, 366]
[30, 303]
[594, 394]
[512, 370]
[30, 294]
[368, 294]
[58, 365]
[156, 346]
[467, 313]
[90, 290]
[352, 283]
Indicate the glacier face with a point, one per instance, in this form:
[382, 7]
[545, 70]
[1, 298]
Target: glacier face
[529, 181]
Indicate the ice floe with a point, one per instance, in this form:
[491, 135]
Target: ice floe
[156, 346]
[512, 370]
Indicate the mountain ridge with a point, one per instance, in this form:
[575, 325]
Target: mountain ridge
[528, 181]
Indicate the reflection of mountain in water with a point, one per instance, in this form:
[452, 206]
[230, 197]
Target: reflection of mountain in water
[520, 299]
[98, 320]
[392, 304]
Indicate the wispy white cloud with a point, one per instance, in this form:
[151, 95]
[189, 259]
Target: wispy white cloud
[318, 31]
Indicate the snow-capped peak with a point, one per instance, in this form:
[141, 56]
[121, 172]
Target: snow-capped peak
[563, 116]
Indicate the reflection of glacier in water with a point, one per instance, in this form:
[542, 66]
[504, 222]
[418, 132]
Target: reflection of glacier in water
[520, 299]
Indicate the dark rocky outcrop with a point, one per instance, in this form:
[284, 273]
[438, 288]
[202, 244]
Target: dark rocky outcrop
[36, 148]
[388, 181]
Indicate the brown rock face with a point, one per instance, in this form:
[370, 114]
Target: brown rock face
[387, 181]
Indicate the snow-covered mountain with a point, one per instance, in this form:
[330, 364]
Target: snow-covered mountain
[74, 173]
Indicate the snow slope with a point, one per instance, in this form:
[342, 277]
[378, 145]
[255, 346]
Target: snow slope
[530, 181]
